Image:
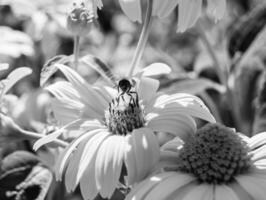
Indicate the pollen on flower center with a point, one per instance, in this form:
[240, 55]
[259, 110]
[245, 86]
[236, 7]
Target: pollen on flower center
[124, 115]
[215, 155]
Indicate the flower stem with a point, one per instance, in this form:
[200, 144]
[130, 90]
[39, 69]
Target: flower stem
[220, 72]
[143, 38]
[36, 136]
[76, 51]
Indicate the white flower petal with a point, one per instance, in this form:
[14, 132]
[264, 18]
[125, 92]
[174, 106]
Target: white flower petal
[168, 186]
[224, 192]
[257, 140]
[184, 104]
[154, 69]
[163, 8]
[88, 95]
[139, 192]
[90, 149]
[132, 8]
[141, 154]
[200, 192]
[147, 88]
[97, 4]
[260, 164]
[216, 8]
[174, 123]
[109, 164]
[259, 153]
[88, 181]
[66, 110]
[188, 13]
[63, 158]
[254, 185]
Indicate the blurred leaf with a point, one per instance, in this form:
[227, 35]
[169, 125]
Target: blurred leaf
[194, 86]
[15, 43]
[23, 177]
[259, 124]
[14, 77]
[247, 28]
[4, 66]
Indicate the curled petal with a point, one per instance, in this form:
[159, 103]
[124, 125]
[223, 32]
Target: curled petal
[132, 8]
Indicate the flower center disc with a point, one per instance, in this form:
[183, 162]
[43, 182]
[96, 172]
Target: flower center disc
[215, 155]
[124, 115]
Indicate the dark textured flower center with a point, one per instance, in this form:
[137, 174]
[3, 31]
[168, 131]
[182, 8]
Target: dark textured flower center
[124, 115]
[215, 155]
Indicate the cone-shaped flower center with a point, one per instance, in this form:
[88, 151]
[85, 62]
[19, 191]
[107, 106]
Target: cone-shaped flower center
[124, 114]
[215, 155]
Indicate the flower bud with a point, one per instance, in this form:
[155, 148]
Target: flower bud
[79, 20]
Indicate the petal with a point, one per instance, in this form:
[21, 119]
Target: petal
[200, 192]
[147, 88]
[97, 4]
[154, 69]
[224, 192]
[257, 140]
[258, 154]
[163, 8]
[174, 123]
[254, 185]
[63, 158]
[142, 153]
[167, 186]
[132, 8]
[88, 95]
[183, 104]
[109, 164]
[90, 149]
[140, 191]
[188, 13]
[216, 8]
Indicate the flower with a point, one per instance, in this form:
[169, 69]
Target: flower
[79, 20]
[216, 164]
[117, 129]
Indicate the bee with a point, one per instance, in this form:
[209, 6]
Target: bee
[126, 86]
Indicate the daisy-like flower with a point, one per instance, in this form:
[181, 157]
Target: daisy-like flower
[216, 164]
[188, 10]
[117, 129]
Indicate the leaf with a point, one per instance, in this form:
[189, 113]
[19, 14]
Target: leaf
[14, 77]
[4, 66]
[194, 86]
[49, 67]
[23, 177]
[245, 30]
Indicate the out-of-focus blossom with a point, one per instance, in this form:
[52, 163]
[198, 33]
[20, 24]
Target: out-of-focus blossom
[188, 10]
[117, 129]
[80, 18]
[216, 164]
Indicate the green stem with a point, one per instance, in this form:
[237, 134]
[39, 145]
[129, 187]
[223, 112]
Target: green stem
[143, 39]
[76, 51]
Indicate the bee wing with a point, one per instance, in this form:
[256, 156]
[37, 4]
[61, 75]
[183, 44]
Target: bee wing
[100, 67]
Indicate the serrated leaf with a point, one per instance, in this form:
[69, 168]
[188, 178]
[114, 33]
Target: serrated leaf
[23, 177]
[14, 77]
